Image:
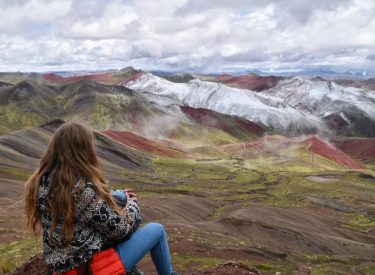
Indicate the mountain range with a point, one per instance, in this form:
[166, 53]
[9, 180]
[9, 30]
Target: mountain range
[274, 171]
[292, 106]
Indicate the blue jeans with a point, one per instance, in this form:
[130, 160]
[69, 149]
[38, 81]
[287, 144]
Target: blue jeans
[151, 237]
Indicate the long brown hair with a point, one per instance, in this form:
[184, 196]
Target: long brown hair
[70, 155]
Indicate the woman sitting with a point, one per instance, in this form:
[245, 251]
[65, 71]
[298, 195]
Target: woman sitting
[68, 197]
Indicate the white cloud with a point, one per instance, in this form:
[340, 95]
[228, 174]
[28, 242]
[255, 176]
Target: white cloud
[183, 34]
[23, 17]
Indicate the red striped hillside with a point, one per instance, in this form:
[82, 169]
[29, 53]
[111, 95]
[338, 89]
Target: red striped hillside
[362, 149]
[144, 144]
[234, 125]
[273, 144]
[318, 146]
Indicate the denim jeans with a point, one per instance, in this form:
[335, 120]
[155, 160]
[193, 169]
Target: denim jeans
[152, 238]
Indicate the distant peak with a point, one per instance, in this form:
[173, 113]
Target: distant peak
[179, 78]
[318, 78]
[28, 85]
[128, 69]
[25, 83]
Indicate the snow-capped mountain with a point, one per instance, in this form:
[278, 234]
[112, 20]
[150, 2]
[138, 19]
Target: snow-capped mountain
[294, 106]
[268, 111]
[348, 110]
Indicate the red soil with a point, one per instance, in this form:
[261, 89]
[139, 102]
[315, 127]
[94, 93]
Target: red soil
[250, 81]
[207, 117]
[362, 149]
[317, 146]
[53, 78]
[143, 144]
[271, 144]
[248, 125]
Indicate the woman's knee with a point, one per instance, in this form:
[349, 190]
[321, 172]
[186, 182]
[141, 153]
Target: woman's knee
[156, 228]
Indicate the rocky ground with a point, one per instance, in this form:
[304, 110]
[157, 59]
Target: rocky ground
[36, 266]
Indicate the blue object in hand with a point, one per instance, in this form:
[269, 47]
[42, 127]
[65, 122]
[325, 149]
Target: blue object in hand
[119, 197]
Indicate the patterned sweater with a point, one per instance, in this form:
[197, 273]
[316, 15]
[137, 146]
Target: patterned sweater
[96, 225]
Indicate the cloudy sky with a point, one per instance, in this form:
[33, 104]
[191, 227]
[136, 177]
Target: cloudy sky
[193, 35]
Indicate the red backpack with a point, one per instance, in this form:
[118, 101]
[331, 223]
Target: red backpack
[105, 262]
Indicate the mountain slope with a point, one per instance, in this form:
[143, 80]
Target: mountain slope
[236, 126]
[106, 77]
[293, 106]
[266, 111]
[251, 82]
[21, 150]
[304, 152]
[346, 110]
[115, 107]
[361, 149]
[26, 104]
[368, 84]
[179, 78]
[144, 144]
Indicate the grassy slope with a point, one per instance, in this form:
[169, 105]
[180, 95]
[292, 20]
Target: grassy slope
[219, 186]
[228, 182]
[347, 201]
[27, 104]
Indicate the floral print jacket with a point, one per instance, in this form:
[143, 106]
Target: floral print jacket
[96, 226]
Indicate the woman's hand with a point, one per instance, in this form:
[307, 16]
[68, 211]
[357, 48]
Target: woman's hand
[130, 195]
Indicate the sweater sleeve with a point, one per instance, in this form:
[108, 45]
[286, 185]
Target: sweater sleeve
[96, 212]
